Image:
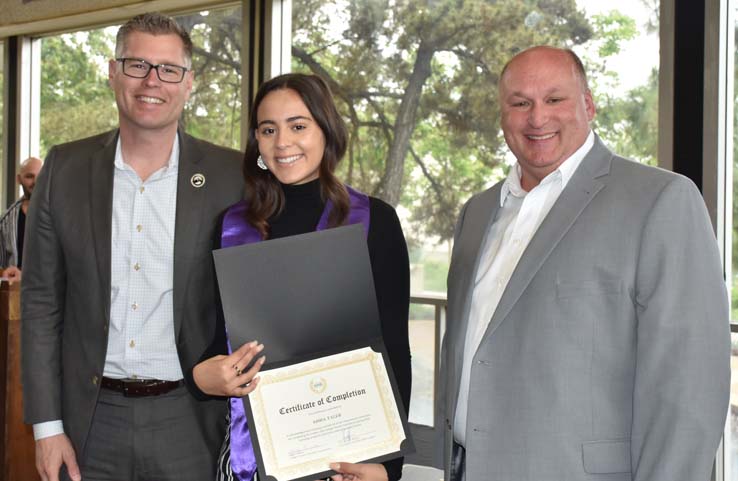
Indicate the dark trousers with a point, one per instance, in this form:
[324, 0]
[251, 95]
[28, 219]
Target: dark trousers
[153, 438]
[458, 463]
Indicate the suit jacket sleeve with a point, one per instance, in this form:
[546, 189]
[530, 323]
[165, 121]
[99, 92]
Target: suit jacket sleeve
[682, 377]
[42, 306]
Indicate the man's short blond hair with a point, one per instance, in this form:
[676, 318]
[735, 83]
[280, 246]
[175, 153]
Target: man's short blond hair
[153, 23]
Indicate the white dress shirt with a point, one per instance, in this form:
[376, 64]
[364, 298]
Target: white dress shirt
[517, 220]
[141, 336]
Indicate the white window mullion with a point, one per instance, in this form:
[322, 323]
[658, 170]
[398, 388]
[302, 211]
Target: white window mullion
[29, 98]
[278, 30]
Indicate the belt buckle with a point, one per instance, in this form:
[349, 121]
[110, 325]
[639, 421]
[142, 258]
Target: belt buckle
[126, 392]
[134, 388]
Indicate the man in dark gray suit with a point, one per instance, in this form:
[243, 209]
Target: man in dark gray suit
[118, 294]
[588, 318]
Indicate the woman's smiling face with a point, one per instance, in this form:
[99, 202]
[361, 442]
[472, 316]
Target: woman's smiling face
[291, 142]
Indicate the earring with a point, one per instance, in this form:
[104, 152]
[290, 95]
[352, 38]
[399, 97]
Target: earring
[260, 163]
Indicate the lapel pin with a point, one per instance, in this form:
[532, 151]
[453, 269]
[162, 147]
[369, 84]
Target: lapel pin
[197, 180]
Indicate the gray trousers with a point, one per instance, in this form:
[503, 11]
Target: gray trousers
[153, 438]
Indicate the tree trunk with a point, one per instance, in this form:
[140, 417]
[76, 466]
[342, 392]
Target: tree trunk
[390, 186]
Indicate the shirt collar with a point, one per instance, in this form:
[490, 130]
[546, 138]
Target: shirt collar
[565, 171]
[172, 163]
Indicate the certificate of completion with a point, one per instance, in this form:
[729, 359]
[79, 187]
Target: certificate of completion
[335, 408]
[299, 301]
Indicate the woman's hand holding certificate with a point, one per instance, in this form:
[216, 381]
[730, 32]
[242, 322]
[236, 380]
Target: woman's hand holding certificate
[358, 472]
[229, 375]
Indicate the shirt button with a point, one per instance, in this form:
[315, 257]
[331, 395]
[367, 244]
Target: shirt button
[142, 189]
[139, 227]
[132, 344]
[134, 306]
[516, 241]
[136, 266]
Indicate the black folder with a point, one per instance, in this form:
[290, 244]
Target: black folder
[301, 294]
[303, 297]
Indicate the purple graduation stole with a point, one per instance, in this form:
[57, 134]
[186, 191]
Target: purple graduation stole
[237, 231]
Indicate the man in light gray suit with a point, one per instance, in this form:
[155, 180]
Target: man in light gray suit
[119, 293]
[588, 329]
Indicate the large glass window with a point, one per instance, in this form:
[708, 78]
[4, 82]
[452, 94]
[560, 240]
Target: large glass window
[77, 102]
[731, 440]
[622, 59]
[214, 110]
[417, 82]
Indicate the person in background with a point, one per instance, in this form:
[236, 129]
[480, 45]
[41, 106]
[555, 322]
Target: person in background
[587, 334]
[296, 138]
[13, 222]
[118, 298]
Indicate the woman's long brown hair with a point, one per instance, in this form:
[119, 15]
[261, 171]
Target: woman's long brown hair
[264, 196]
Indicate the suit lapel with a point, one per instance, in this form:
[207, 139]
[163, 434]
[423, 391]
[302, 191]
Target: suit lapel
[477, 222]
[190, 201]
[581, 189]
[101, 211]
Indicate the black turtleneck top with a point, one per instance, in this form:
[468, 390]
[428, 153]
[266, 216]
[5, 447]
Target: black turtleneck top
[390, 269]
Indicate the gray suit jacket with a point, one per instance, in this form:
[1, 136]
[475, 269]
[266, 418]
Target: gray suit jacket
[65, 293]
[608, 355]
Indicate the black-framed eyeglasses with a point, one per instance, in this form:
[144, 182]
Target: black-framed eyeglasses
[137, 68]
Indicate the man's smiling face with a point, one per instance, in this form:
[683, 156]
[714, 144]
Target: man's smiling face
[148, 103]
[546, 111]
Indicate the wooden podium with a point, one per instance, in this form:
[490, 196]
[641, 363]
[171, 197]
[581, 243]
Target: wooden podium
[16, 445]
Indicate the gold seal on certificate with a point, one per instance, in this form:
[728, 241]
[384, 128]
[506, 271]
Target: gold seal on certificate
[335, 408]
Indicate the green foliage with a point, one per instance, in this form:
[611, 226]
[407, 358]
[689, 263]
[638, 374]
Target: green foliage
[415, 80]
[629, 125]
[435, 275]
[76, 101]
[214, 109]
[611, 30]
[426, 70]
[421, 312]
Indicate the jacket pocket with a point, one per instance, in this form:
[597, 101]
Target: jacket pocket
[606, 457]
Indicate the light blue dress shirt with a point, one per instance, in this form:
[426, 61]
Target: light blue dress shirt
[141, 336]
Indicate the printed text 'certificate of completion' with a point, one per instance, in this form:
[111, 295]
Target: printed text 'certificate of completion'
[335, 408]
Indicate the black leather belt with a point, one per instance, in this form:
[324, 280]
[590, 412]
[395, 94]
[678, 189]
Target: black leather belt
[140, 388]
